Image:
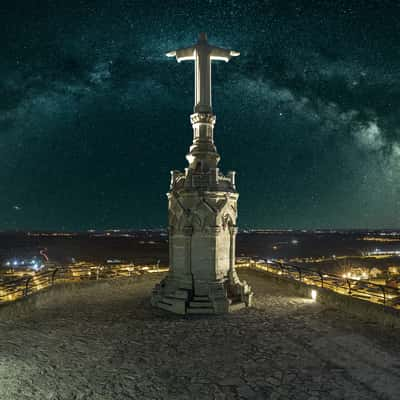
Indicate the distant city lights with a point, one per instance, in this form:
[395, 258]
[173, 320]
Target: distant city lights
[357, 276]
[379, 252]
[34, 263]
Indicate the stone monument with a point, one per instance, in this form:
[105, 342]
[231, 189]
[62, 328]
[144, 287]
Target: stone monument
[202, 207]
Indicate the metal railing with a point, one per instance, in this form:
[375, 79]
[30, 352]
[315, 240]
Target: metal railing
[362, 289]
[16, 288]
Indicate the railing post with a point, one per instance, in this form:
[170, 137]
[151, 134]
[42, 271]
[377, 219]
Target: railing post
[298, 271]
[280, 266]
[349, 285]
[322, 278]
[53, 275]
[26, 290]
[384, 295]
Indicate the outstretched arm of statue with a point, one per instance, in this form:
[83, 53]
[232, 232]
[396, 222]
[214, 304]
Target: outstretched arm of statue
[218, 53]
[182, 54]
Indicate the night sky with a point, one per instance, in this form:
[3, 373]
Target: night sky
[93, 116]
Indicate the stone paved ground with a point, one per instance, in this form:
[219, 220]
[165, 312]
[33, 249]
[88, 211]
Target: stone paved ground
[103, 341]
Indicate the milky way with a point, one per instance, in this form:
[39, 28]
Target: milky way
[93, 115]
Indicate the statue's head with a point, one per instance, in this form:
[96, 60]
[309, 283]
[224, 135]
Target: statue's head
[202, 37]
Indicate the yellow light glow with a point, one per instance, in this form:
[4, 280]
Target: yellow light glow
[314, 294]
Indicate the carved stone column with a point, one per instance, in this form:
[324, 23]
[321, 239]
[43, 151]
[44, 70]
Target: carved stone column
[232, 271]
[188, 231]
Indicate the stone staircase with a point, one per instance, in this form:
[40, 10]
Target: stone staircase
[180, 302]
[175, 302]
[200, 305]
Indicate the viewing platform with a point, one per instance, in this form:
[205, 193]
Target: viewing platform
[102, 340]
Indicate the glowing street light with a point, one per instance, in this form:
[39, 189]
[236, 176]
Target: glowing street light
[314, 294]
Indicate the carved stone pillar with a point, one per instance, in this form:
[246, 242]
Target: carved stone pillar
[188, 231]
[232, 272]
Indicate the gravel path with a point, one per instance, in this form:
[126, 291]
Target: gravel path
[102, 340]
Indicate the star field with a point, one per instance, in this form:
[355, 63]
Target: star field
[93, 116]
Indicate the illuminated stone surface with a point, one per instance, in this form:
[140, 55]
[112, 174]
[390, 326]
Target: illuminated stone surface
[104, 341]
[202, 212]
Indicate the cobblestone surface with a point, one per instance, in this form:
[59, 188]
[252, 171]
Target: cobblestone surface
[104, 341]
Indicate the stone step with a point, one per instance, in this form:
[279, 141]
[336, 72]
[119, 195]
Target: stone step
[201, 298]
[197, 310]
[200, 304]
[164, 305]
[177, 306]
[180, 294]
[237, 306]
[171, 299]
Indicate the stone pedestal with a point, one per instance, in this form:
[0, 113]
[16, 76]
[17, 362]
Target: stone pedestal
[202, 235]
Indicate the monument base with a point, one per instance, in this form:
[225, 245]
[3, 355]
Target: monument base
[182, 296]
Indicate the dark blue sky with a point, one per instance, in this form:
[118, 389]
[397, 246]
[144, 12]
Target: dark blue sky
[93, 116]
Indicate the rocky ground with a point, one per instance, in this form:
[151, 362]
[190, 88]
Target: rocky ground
[102, 340]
